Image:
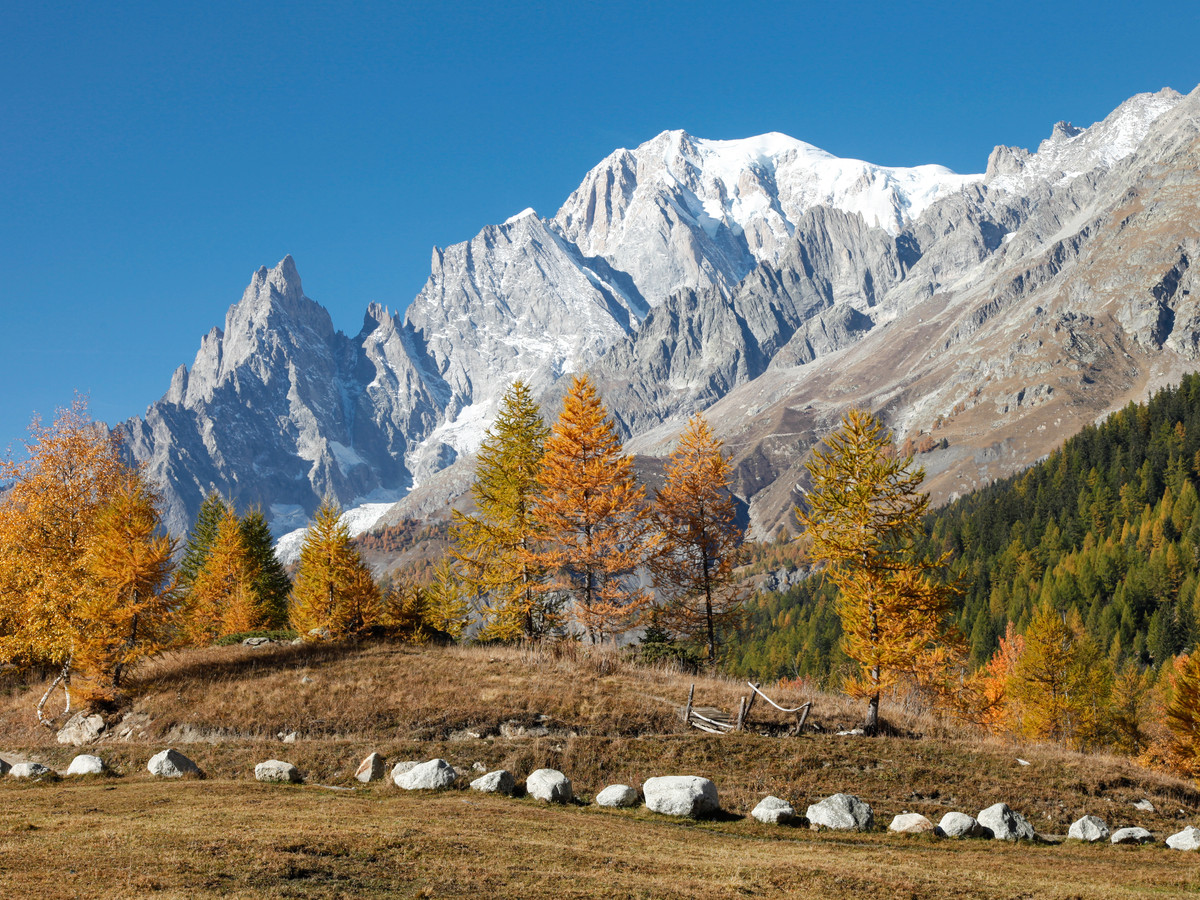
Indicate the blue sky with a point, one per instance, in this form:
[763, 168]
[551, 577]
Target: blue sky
[152, 156]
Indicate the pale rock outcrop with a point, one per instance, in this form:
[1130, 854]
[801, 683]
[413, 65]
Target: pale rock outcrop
[1090, 829]
[172, 764]
[689, 796]
[81, 729]
[373, 768]
[773, 811]
[843, 812]
[434, 775]
[498, 782]
[276, 771]
[86, 764]
[549, 785]
[617, 795]
[1005, 824]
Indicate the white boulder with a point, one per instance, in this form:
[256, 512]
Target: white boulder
[1188, 839]
[911, 823]
[276, 771]
[773, 811]
[843, 812]
[1090, 829]
[1005, 824]
[498, 782]
[617, 796]
[960, 825]
[373, 768]
[681, 795]
[434, 775]
[86, 764]
[1132, 835]
[31, 770]
[549, 785]
[172, 764]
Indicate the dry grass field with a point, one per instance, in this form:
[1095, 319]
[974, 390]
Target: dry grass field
[608, 721]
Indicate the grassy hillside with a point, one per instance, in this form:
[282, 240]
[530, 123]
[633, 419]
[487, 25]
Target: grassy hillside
[608, 721]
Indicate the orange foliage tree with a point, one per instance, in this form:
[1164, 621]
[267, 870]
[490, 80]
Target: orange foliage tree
[700, 541]
[861, 517]
[333, 589]
[223, 599]
[593, 515]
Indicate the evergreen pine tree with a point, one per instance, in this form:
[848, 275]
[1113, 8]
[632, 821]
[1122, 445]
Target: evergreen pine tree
[273, 586]
[200, 540]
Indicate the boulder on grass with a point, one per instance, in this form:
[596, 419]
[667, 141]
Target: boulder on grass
[172, 764]
[373, 768]
[1005, 824]
[32, 770]
[1132, 836]
[681, 795]
[498, 782]
[86, 764]
[1188, 839]
[549, 785]
[620, 796]
[1090, 829]
[434, 775]
[911, 823]
[276, 771]
[81, 729]
[960, 825]
[401, 768]
[843, 812]
[773, 811]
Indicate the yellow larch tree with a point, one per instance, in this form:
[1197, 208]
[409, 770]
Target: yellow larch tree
[333, 589]
[223, 600]
[593, 513]
[700, 541]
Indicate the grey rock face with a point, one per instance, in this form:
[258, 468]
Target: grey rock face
[618, 796]
[434, 775]
[689, 796]
[549, 785]
[1005, 824]
[1090, 829]
[86, 764]
[773, 811]
[911, 823]
[1132, 835]
[172, 764]
[1144, 805]
[1188, 839]
[498, 782]
[373, 768]
[960, 825]
[276, 771]
[81, 729]
[32, 770]
[843, 812]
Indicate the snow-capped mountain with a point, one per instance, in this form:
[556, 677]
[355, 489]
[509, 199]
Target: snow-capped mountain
[687, 273]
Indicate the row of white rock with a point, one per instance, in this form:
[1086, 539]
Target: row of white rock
[687, 796]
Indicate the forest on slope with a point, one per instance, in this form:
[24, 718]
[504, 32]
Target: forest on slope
[1107, 526]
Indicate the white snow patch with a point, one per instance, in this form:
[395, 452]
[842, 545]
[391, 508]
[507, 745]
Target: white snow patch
[347, 458]
[525, 213]
[358, 520]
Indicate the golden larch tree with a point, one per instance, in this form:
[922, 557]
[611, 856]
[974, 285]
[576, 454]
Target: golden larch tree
[47, 523]
[223, 600]
[861, 518]
[333, 589]
[700, 541]
[594, 517]
[497, 547]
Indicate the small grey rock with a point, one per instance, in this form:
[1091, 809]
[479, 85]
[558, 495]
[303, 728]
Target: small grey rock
[290, 737]
[1133, 835]
[960, 825]
[86, 764]
[617, 796]
[32, 770]
[1144, 806]
[1188, 839]
[1005, 824]
[911, 823]
[773, 811]
[549, 785]
[276, 771]
[171, 764]
[498, 782]
[434, 775]
[256, 641]
[681, 795]
[843, 812]
[373, 768]
[1090, 829]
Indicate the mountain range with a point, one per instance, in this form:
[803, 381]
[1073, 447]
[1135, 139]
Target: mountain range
[987, 317]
